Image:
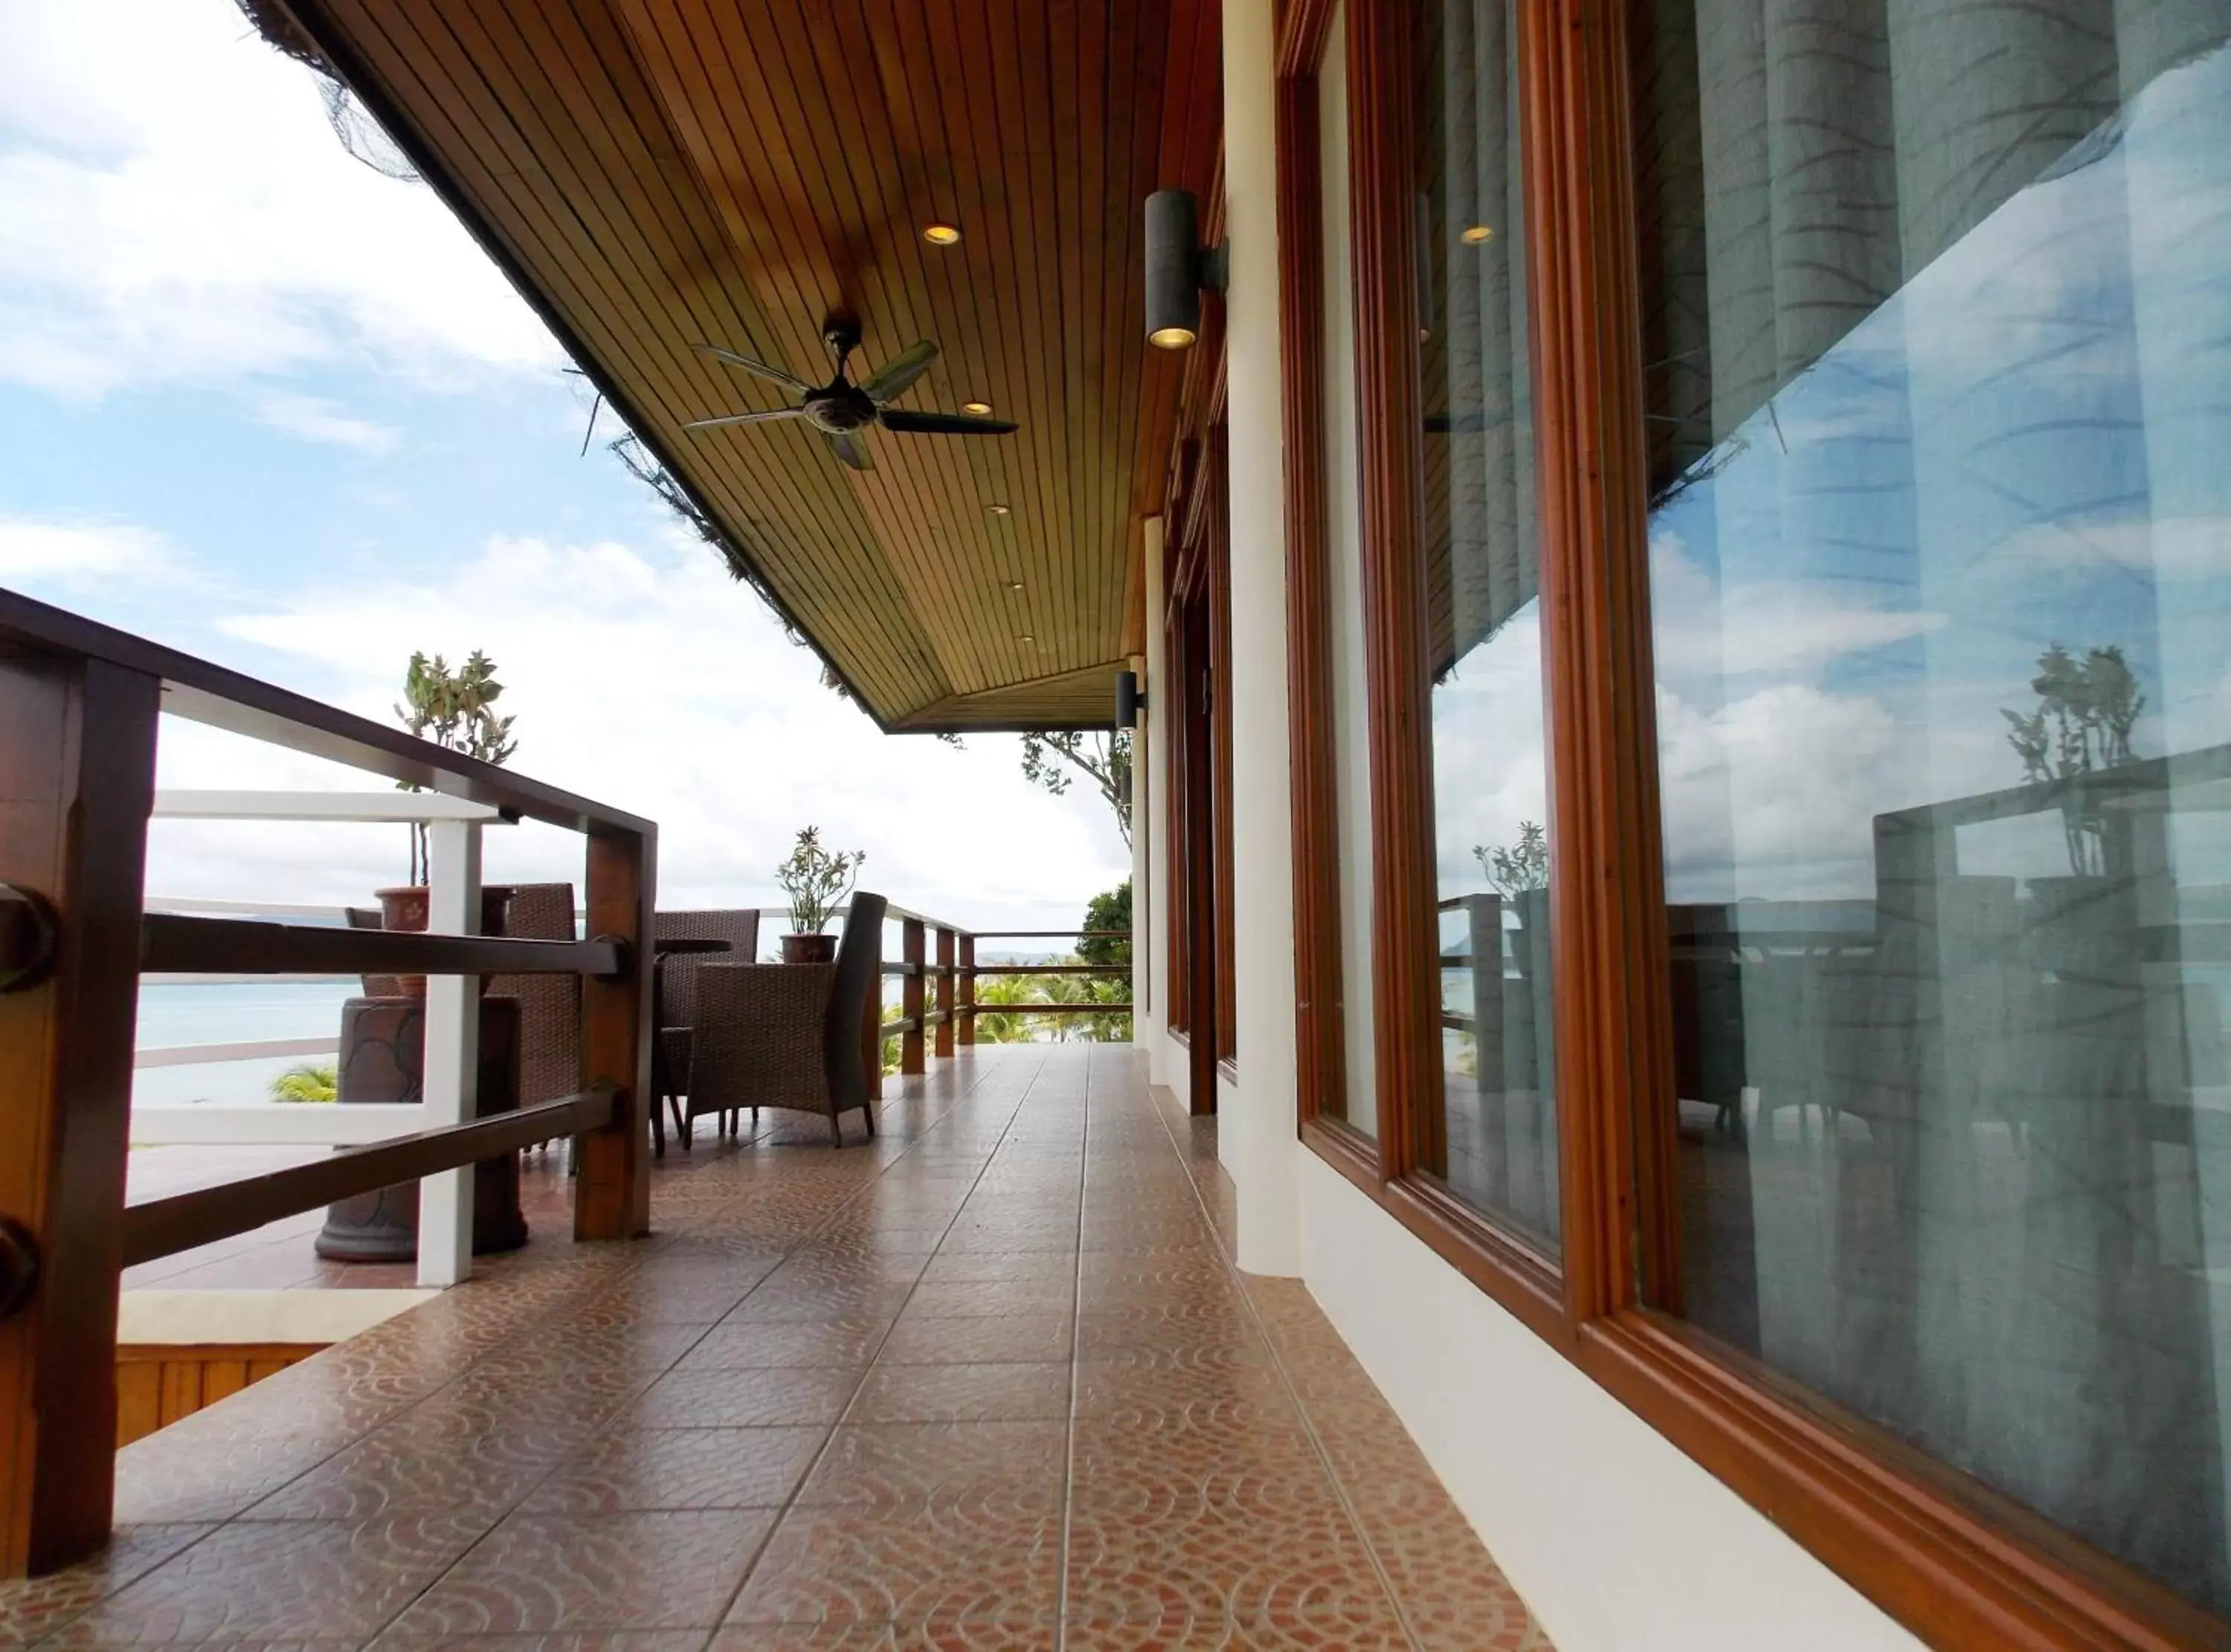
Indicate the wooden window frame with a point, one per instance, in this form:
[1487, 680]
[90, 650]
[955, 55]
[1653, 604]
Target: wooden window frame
[1955, 1562]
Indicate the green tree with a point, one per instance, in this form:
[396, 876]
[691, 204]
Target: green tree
[309, 1082]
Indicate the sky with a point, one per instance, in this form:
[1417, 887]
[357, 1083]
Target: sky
[264, 404]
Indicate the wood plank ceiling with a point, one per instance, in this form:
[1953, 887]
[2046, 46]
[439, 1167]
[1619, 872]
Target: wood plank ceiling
[658, 174]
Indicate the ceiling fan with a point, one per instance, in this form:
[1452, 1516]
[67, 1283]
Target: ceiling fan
[843, 410]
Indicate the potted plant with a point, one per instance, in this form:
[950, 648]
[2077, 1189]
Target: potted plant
[454, 710]
[818, 882]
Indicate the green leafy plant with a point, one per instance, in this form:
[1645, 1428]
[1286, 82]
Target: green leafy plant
[1523, 866]
[817, 881]
[307, 1081]
[2088, 710]
[455, 710]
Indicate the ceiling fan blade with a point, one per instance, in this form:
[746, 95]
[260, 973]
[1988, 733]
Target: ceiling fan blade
[852, 447]
[898, 418]
[759, 367]
[892, 377]
[743, 418]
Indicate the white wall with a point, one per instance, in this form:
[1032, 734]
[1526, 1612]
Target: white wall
[1617, 1541]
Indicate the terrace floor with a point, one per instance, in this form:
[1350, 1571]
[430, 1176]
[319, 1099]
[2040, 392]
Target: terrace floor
[990, 1381]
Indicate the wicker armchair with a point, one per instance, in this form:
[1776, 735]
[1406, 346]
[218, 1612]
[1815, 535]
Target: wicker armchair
[549, 1006]
[790, 1035]
[678, 993]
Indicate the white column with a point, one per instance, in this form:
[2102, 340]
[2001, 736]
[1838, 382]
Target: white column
[1142, 905]
[453, 1033]
[1259, 1145]
[1150, 823]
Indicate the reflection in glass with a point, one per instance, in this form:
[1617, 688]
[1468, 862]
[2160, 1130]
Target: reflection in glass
[1493, 1140]
[1351, 751]
[1937, 321]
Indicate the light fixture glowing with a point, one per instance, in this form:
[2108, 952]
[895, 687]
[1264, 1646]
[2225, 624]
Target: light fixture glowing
[940, 235]
[1026, 637]
[997, 510]
[1173, 338]
[978, 408]
[1014, 585]
[1474, 234]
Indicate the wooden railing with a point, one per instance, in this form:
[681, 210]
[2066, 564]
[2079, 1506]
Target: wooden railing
[78, 710]
[938, 1006]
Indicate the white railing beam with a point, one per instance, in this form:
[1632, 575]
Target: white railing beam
[452, 1067]
[388, 806]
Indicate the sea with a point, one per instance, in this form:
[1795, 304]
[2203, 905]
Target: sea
[230, 1013]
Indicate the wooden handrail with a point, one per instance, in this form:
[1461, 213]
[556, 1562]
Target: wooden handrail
[983, 1010]
[1054, 969]
[1052, 934]
[203, 693]
[173, 943]
[164, 1227]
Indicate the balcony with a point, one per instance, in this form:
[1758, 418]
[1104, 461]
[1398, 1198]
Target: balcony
[989, 1376]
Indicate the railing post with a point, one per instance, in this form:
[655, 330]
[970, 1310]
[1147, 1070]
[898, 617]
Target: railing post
[910, 996]
[452, 1067]
[944, 993]
[611, 1200]
[966, 991]
[871, 1025]
[77, 783]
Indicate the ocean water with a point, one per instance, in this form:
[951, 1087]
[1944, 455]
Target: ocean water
[229, 1014]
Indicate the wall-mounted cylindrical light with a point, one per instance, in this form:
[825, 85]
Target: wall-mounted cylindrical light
[1178, 267]
[1129, 700]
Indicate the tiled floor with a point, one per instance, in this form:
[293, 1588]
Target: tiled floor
[988, 1382]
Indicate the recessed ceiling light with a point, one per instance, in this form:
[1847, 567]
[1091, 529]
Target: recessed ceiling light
[1173, 338]
[977, 408]
[997, 510]
[1014, 585]
[1026, 637]
[1474, 234]
[940, 235]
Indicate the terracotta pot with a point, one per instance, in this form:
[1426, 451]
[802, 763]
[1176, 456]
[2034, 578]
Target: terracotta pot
[406, 907]
[809, 949]
[383, 1059]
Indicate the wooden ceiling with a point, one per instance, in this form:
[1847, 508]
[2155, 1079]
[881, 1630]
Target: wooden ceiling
[658, 174]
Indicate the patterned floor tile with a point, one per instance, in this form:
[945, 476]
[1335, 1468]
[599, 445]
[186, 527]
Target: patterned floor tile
[989, 1382]
[254, 1581]
[544, 1573]
[917, 1567]
[654, 1469]
[745, 1398]
[963, 1393]
[31, 1607]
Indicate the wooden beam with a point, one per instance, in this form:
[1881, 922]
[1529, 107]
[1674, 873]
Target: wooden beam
[942, 1015]
[77, 782]
[175, 943]
[165, 1226]
[910, 996]
[611, 1198]
[964, 992]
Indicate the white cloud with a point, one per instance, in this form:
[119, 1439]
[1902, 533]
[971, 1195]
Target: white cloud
[652, 682]
[182, 210]
[77, 553]
[314, 418]
[2177, 547]
[1780, 626]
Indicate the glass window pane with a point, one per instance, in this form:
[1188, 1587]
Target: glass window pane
[1344, 591]
[1491, 1134]
[1937, 325]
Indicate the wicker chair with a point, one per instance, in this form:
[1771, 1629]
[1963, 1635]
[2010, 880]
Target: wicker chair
[790, 1035]
[678, 993]
[550, 1047]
